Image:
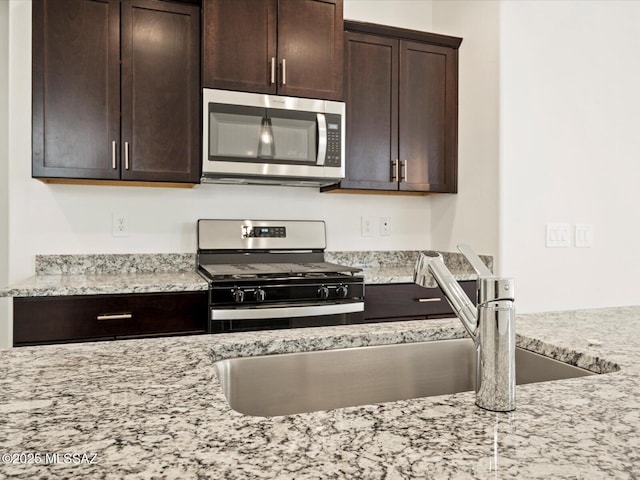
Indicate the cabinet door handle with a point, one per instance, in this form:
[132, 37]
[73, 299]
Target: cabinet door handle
[284, 71]
[113, 155]
[273, 70]
[126, 155]
[429, 300]
[405, 174]
[115, 316]
[394, 170]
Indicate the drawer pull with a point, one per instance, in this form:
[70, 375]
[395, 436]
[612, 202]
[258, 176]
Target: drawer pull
[116, 316]
[426, 300]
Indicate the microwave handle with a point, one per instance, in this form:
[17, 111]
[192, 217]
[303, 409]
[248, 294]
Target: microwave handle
[322, 139]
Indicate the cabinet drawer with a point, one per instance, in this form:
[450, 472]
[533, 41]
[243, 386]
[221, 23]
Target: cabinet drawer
[39, 320]
[404, 301]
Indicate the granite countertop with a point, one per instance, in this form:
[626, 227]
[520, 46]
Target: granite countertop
[153, 408]
[59, 275]
[105, 283]
[397, 266]
[381, 275]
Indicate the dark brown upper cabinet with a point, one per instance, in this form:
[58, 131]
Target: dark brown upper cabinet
[401, 89]
[116, 91]
[284, 47]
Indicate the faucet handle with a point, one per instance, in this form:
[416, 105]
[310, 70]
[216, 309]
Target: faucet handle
[475, 261]
[494, 289]
[490, 287]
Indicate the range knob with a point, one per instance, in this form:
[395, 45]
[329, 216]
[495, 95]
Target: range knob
[259, 295]
[238, 295]
[323, 292]
[342, 291]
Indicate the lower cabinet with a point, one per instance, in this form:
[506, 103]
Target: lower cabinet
[408, 301]
[44, 320]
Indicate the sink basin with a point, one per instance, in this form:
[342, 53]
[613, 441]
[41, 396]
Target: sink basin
[305, 382]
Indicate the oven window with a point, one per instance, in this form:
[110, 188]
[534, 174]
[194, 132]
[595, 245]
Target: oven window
[253, 134]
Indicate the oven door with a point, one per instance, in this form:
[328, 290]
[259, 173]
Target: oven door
[289, 316]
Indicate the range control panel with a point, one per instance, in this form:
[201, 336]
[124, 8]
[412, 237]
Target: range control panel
[263, 232]
[247, 235]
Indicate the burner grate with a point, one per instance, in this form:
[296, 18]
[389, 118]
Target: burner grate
[245, 270]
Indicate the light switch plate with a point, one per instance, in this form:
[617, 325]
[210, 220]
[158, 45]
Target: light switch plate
[583, 237]
[558, 235]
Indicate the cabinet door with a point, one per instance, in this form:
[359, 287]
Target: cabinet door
[160, 91]
[371, 83]
[239, 45]
[76, 89]
[310, 48]
[428, 117]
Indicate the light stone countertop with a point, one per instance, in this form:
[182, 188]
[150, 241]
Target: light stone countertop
[382, 275]
[60, 275]
[153, 408]
[106, 283]
[397, 266]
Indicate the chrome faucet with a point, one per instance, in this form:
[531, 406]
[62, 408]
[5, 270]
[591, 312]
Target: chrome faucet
[491, 324]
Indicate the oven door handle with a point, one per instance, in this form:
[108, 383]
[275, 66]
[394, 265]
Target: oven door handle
[285, 312]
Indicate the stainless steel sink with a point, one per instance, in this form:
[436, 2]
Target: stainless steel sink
[305, 382]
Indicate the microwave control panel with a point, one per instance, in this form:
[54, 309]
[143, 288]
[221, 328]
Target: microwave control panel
[334, 140]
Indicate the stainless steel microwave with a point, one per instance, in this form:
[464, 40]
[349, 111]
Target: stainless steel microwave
[268, 139]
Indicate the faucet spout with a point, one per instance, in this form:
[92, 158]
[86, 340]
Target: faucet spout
[491, 324]
[430, 271]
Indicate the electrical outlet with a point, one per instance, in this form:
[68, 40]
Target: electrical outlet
[120, 225]
[368, 226]
[558, 235]
[385, 226]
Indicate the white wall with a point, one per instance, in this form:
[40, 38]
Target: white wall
[471, 216]
[4, 138]
[77, 219]
[413, 14]
[5, 324]
[569, 100]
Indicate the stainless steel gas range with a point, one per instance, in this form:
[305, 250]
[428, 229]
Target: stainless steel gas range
[272, 274]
